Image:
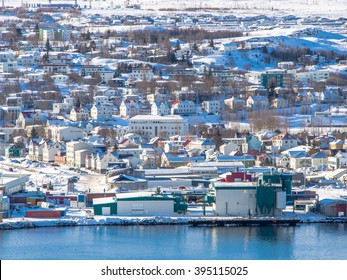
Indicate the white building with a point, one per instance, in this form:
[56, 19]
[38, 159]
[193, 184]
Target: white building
[160, 109]
[60, 78]
[101, 112]
[129, 109]
[66, 133]
[6, 56]
[101, 99]
[14, 101]
[65, 106]
[229, 48]
[153, 126]
[89, 70]
[235, 104]
[185, 107]
[73, 152]
[317, 75]
[50, 150]
[257, 102]
[284, 141]
[79, 114]
[235, 199]
[55, 68]
[8, 66]
[106, 76]
[211, 107]
[279, 102]
[144, 74]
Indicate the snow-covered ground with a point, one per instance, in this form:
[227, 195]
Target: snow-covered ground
[335, 8]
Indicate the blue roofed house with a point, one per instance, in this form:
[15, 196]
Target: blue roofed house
[319, 158]
[160, 109]
[299, 160]
[252, 143]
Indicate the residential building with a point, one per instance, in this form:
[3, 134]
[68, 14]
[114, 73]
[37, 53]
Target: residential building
[277, 78]
[229, 48]
[144, 74]
[101, 112]
[54, 34]
[211, 107]
[79, 114]
[90, 70]
[14, 101]
[284, 141]
[185, 107]
[319, 159]
[160, 109]
[36, 148]
[76, 153]
[29, 118]
[235, 104]
[50, 150]
[66, 133]
[65, 106]
[339, 160]
[153, 126]
[257, 102]
[226, 149]
[129, 109]
[251, 143]
[101, 100]
[99, 161]
[312, 76]
[202, 144]
[279, 102]
[10, 113]
[55, 68]
[299, 160]
[14, 151]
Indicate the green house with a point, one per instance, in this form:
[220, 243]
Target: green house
[13, 151]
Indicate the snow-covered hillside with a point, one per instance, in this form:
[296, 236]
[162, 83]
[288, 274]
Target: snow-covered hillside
[332, 8]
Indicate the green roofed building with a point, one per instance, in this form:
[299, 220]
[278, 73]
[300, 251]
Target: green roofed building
[136, 204]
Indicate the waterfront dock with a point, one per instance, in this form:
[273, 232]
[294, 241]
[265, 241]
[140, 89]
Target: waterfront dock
[229, 222]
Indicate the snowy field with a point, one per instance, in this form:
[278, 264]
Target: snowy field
[332, 8]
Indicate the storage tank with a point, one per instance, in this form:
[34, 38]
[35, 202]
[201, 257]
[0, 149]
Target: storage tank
[281, 200]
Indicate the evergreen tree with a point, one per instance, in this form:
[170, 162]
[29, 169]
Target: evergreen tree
[48, 49]
[178, 45]
[37, 31]
[211, 43]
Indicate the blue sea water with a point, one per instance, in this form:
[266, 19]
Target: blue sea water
[178, 242]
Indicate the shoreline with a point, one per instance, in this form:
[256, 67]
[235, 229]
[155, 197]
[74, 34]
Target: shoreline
[210, 221]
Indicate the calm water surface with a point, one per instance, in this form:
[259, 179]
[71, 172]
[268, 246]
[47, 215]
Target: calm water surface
[313, 242]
